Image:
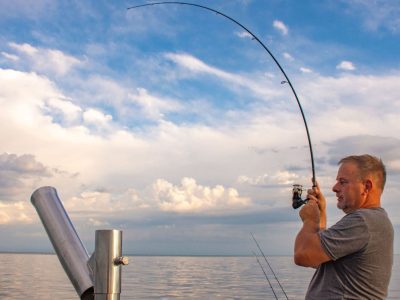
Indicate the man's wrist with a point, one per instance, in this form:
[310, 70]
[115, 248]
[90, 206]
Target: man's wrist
[311, 226]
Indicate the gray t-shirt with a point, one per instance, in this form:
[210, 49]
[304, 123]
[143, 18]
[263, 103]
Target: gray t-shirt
[361, 248]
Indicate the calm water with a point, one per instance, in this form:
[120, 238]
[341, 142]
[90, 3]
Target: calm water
[40, 276]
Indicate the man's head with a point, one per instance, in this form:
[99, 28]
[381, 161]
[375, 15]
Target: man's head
[360, 182]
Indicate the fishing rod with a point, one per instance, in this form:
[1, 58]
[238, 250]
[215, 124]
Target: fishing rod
[265, 274]
[266, 260]
[297, 201]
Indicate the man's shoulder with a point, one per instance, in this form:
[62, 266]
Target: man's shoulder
[359, 222]
[374, 220]
[367, 213]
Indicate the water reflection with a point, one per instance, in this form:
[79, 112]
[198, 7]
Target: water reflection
[40, 276]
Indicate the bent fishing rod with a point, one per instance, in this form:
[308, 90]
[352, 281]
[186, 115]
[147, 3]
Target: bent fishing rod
[297, 201]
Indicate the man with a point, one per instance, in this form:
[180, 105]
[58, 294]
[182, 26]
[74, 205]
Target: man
[354, 257]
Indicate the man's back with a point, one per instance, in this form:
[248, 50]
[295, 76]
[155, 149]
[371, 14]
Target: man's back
[361, 248]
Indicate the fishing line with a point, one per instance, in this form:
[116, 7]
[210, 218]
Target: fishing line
[266, 260]
[266, 276]
[296, 199]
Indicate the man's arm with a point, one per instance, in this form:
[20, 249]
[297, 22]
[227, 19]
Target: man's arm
[308, 251]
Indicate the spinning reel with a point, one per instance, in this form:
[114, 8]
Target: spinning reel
[296, 197]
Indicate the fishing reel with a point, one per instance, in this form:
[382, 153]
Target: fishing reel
[296, 196]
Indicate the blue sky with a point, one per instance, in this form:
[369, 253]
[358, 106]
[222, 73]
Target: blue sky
[170, 123]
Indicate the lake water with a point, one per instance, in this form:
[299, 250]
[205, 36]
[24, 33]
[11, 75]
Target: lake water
[40, 276]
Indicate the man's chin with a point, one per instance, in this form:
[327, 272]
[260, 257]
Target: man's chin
[340, 205]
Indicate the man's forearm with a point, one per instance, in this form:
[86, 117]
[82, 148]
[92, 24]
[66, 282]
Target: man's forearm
[307, 247]
[304, 238]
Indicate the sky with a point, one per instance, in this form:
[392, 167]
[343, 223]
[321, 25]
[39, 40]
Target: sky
[172, 124]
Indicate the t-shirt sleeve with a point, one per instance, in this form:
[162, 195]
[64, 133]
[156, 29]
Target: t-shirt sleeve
[347, 236]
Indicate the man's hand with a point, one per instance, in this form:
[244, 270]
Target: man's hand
[316, 195]
[310, 214]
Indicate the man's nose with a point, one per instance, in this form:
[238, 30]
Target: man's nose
[335, 188]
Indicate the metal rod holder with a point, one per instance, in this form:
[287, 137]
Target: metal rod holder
[106, 263]
[96, 278]
[62, 234]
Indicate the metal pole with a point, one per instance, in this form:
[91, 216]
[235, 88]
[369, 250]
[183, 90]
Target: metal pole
[69, 248]
[106, 263]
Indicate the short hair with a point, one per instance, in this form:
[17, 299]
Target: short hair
[368, 165]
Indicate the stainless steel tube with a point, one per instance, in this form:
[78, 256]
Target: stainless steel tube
[107, 264]
[69, 248]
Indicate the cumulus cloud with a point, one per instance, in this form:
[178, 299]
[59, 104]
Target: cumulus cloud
[16, 212]
[105, 202]
[47, 60]
[191, 197]
[158, 201]
[281, 27]
[346, 65]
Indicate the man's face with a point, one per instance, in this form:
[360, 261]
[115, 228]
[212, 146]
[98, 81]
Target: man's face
[348, 188]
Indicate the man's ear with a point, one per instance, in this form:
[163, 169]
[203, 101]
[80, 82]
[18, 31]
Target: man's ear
[368, 185]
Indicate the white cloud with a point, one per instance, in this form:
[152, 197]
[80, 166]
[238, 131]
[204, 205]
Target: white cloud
[243, 34]
[24, 48]
[98, 203]
[47, 60]
[281, 27]
[190, 197]
[256, 85]
[348, 103]
[217, 155]
[283, 178]
[195, 64]
[288, 57]
[70, 112]
[394, 165]
[16, 212]
[154, 107]
[305, 70]
[96, 117]
[10, 56]
[346, 65]
[187, 198]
